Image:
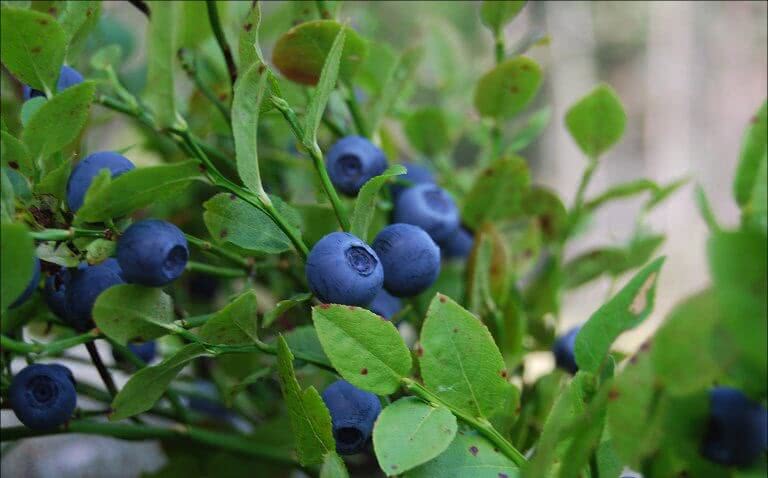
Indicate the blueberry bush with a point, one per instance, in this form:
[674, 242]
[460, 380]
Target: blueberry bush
[286, 294]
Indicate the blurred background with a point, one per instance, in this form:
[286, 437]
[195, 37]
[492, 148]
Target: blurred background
[690, 75]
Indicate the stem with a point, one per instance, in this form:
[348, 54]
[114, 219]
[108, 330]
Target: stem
[213, 17]
[215, 270]
[50, 348]
[65, 234]
[496, 136]
[354, 110]
[499, 46]
[196, 321]
[106, 377]
[227, 441]
[317, 160]
[220, 251]
[578, 202]
[480, 424]
[189, 64]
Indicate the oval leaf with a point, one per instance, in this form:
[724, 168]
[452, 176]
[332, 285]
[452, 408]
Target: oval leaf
[410, 432]
[495, 14]
[365, 206]
[235, 324]
[366, 350]
[508, 88]
[249, 92]
[596, 121]
[461, 362]
[300, 52]
[161, 55]
[125, 312]
[32, 45]
[17, 254]
[498, 192]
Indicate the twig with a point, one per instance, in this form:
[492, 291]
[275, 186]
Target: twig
[213, 17]
[106, 377]
[215, 270]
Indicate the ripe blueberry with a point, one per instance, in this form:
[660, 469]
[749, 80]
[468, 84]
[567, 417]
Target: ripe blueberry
[415, 174]
[564, 351]
[411, 259]
[352, 161]
[353, 412]
[31, 285]
[43, 396]
[152, 253]
[55, 291]
[737, 432]
[84, 172]
[458, 245]
[430, 207]
[385, 305]
[67, 77]
[84, 287]
[342, 269]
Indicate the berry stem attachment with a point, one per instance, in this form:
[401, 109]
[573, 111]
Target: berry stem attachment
[480, 424]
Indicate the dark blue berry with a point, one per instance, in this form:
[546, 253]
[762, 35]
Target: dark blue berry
[84, 287]
[416, 175]
[458, 245]
[55, 291]
[429, 207]
[564, 351]
[411, 259]
[342, 269]
[152, 253]
[352, 161]
[67, 77]
[737, 432]
[43, 396]
[31, 285]
[385, 305]
[87, 169]
[353, 413]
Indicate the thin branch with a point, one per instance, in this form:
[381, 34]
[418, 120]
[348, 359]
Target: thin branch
[215, 270]
[106, 377]
[213, 17]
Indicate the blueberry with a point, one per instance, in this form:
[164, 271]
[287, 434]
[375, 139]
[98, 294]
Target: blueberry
[430, 207]
[352, 161]
[353, 412]
[737, 432]
[144, 350]
[84, 287]
[385, 305]
[416, 175]
[55, 292]
[43, 396]
[31, 285]
[84, 172]
[411, 259]
[458, 245]
[342, 269]
[152, 253]
[67, 77]
[564, 351]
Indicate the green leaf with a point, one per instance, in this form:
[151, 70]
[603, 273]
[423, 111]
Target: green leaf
[469, 455]
[584, 436]
[754, 149]
[282, 307]
[366, 350]
[300, 53]
[534, 126]
[663, 192]
[325, 86]
[396, 82]
[427, 131]
[461, 363]
[410, 432]
[75, 16]
[48, 131]
[30, 107]
[508, 88]
[365, 206]
[15, 155]
[310, 419]
[498, 192]
[132, 312]
[100, 250]
[161, 54]
[136, 189]
[621, 191]
[546, 207]
[303, 341]
[624, 311]
[705, 209]
[146, 386]
[55, 181]
[248, 41]
[249, 91]
[32, 45]
[596, 121]
[17, 265]
[496, 14]
[686, 337]
[232, 220]
[235, 324]
[333, 467]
